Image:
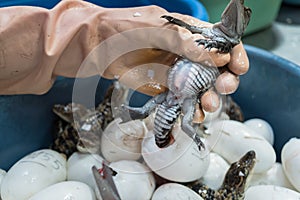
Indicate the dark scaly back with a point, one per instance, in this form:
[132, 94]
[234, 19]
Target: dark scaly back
[234, 183]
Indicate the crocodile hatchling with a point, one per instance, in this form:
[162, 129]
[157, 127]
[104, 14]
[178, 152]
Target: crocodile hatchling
[232, 109]
[187, 80]
[80, 128]
[234, 184]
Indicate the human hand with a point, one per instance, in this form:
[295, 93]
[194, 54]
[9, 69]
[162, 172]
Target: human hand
[161, 44]
[139, 48]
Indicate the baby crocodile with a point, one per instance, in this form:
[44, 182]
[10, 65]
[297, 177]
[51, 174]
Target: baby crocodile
[187, 81]
[225, 34]
[234, 183]
[80, 128]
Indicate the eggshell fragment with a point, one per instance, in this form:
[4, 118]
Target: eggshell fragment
[232, 139]
[270, 192]
[262, 128]
[290, 158]
[181, 161]
[68, 190]
[274, 176]
[134, 181]
[122, 141]
[80, 167]
[33, 173]
[175, 191]
[216, 172]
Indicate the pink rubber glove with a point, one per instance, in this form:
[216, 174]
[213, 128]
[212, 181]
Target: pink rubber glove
[37, 44]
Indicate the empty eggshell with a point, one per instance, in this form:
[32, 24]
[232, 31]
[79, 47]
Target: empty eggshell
[262, 128]
[270, 192]
[232, 139]
[122, 141]
[134, 181]
[274, 176]
[216, 171]
[175, 191]
[290, 158]
[68, 190]
[33, 173]
[80, 167]
[181, 161]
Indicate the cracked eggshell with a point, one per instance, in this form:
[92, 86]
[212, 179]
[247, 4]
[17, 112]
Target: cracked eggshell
[68, 190]
[175, 191]
[216, 171]
[274, 176]
[270, 192]
[262, 128]
[290, 158]
[181, 161]
[122, 141]
[134, 181]
[233, 139]
[33, 173]
[80, 165]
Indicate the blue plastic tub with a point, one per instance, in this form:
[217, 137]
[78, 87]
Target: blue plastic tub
[270, 90]
[26, 120]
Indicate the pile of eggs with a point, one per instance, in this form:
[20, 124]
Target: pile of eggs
[145, 171]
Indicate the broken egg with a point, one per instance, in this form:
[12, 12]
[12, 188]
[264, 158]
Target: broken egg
[181, 161]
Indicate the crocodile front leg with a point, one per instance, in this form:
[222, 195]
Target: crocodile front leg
[142, 112]
[225, 34]
[188, 109]
[193, 29]
[212, 39]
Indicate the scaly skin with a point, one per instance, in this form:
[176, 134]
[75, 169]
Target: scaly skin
[79, 128]
[187, 80]
[225, 34]
[234, 184]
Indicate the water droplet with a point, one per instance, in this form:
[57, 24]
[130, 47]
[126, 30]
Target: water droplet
[289, 20]
[150, 73]
[137, 14]
[117, 76]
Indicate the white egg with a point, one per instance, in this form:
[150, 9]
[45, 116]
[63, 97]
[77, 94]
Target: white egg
[175, 191]
[262, 128]
[134, 181]
[290, 158]
[274, 176]
[270, 192]
[80, 167]
[2, 174]
[122, 141]
[232, 139]
[181, 161]
[68, 190]
[216, 171]
[149, 121]
[33, 173]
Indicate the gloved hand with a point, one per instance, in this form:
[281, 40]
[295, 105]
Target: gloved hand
[79, 39]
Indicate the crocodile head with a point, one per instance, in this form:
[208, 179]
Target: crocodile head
[235, 19]
[236, 177]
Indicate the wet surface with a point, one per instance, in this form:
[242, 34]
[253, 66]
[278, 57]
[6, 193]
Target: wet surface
[282, 37]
